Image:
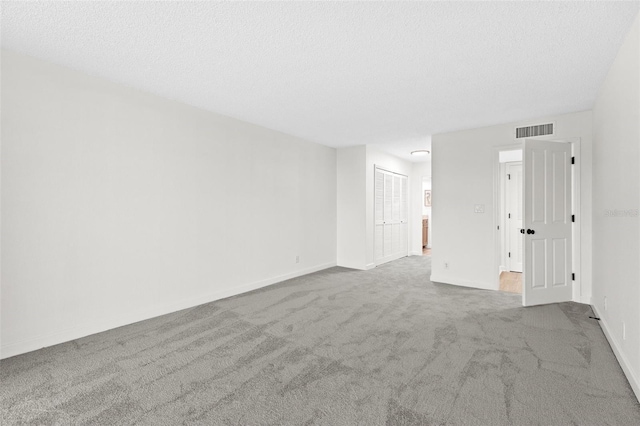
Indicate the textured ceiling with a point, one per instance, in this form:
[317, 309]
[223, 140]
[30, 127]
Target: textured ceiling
[339, 73]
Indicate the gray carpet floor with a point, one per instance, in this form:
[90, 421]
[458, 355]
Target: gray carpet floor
[338, 347]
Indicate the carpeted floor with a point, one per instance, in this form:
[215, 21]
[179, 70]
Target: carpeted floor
[338, 347]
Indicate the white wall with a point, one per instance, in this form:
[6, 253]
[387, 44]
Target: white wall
[426, 211]
[418, 172]
[616, 186]
[426, 186]
[352, 232]
[462, 176]
[118, 205]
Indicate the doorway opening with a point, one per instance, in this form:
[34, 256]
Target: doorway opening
[426, 216]
[537, 219]
[511, 247]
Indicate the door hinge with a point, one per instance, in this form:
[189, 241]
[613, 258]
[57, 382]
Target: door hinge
[509, 254]
[573, 218]
[509, 215]
[498, 227]
[573, 276]
[573, 160]
[509, 176]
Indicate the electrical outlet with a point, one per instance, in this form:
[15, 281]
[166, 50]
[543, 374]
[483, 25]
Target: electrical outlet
[478, 208]
[446, 264]
[624, 331]
[297, 259]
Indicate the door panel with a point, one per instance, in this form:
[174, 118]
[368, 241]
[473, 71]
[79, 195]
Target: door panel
[539, 263]
[379, 197]
[388, 240]
[547, 222]
[538, 182]
[559, 161]
[388, 198]
[397, 193]
[378, 208]
[559, 265]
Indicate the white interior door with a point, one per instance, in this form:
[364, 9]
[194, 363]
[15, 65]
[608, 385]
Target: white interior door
[514, 216]
[547, 222]
[391, 212]
[378, 209]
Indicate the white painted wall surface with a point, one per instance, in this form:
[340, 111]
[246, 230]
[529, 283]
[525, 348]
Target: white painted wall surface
[616, 186]
[426, 211]
[118, 205]
[462, 177]
[426, 186]
[376, 158]
[418, 172]
[351, 180]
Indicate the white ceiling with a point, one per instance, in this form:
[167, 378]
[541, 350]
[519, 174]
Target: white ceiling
[340, 73]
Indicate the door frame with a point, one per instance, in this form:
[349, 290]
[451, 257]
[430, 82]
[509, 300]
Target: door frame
[576, 261]
[408, 229]
[508, 231]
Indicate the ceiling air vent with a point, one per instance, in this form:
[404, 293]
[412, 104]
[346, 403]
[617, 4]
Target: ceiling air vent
[532, 131]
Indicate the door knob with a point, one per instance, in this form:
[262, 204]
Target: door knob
[530, 231]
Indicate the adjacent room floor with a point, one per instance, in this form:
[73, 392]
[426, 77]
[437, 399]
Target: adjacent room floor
[511, 282]
[338, 347]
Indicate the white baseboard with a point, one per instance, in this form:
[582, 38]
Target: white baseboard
[360, 266]
[105, 324]
[622, 359]
[583, 299]
[462, 282]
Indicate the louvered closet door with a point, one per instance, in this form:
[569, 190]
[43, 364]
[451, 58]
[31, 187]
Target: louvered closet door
[379, 216]
[391, 211]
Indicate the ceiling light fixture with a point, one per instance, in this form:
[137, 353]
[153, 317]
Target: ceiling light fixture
[420, 152]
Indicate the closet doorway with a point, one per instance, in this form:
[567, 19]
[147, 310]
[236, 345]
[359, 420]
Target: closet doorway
[391, 210]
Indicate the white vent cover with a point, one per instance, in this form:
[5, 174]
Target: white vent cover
[532, 131]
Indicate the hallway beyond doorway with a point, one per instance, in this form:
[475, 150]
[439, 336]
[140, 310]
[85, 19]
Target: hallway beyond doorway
[511, 282]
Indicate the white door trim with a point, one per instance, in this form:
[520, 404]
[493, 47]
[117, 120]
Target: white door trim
[511, 233]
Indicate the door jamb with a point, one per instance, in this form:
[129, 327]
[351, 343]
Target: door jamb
[508, 229]
[495, 159]
[384, 169]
